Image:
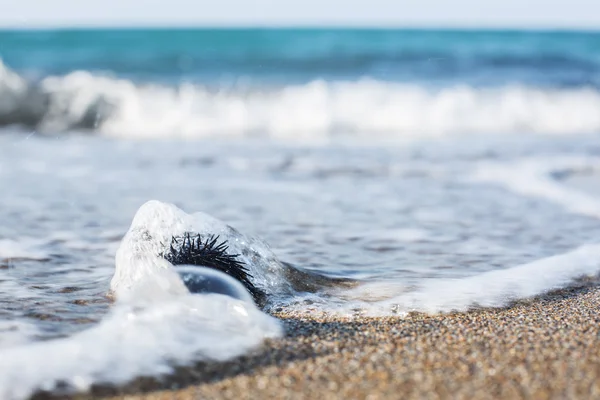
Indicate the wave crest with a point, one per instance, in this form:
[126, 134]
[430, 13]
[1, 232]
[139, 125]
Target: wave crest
[118, 107]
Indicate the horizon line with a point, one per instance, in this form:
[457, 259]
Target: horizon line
[300, 25]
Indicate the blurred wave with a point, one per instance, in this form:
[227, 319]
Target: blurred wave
[119, 107]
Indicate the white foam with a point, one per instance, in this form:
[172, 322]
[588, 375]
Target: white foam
[155, 324]
[25, 248]
[14, 333]
[317, 109]
[499, 287]
[359, 108]
[138, 339]
[13, 90]
[490, 289]
[532, 177]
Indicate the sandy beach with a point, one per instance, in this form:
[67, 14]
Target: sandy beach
[545, 348]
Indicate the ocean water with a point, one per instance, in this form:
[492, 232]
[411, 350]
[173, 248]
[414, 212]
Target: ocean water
[437, 170]
[301, 83]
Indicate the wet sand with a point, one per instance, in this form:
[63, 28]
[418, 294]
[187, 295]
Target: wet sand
[546, 348]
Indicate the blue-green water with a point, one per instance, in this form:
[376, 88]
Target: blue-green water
[555, 59]
[269, 82]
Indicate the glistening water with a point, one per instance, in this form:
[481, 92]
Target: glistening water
[407, 213]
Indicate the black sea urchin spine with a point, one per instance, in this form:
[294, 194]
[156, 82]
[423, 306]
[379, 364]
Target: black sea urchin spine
[190, 249]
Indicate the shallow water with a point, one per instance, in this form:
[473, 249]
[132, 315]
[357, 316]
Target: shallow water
[403, 213]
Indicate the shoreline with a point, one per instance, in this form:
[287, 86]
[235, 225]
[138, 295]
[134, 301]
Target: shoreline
[546, 347]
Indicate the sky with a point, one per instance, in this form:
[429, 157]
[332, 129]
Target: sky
[409, 13]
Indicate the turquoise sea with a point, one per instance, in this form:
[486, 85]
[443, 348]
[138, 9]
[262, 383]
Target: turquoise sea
[200, 82]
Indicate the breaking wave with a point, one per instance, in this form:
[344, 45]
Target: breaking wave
[82, 101]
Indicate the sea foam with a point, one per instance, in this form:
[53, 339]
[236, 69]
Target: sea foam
[318, 109]
[154, 325]
[496, 288]
[534, 177]
[492, 289]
